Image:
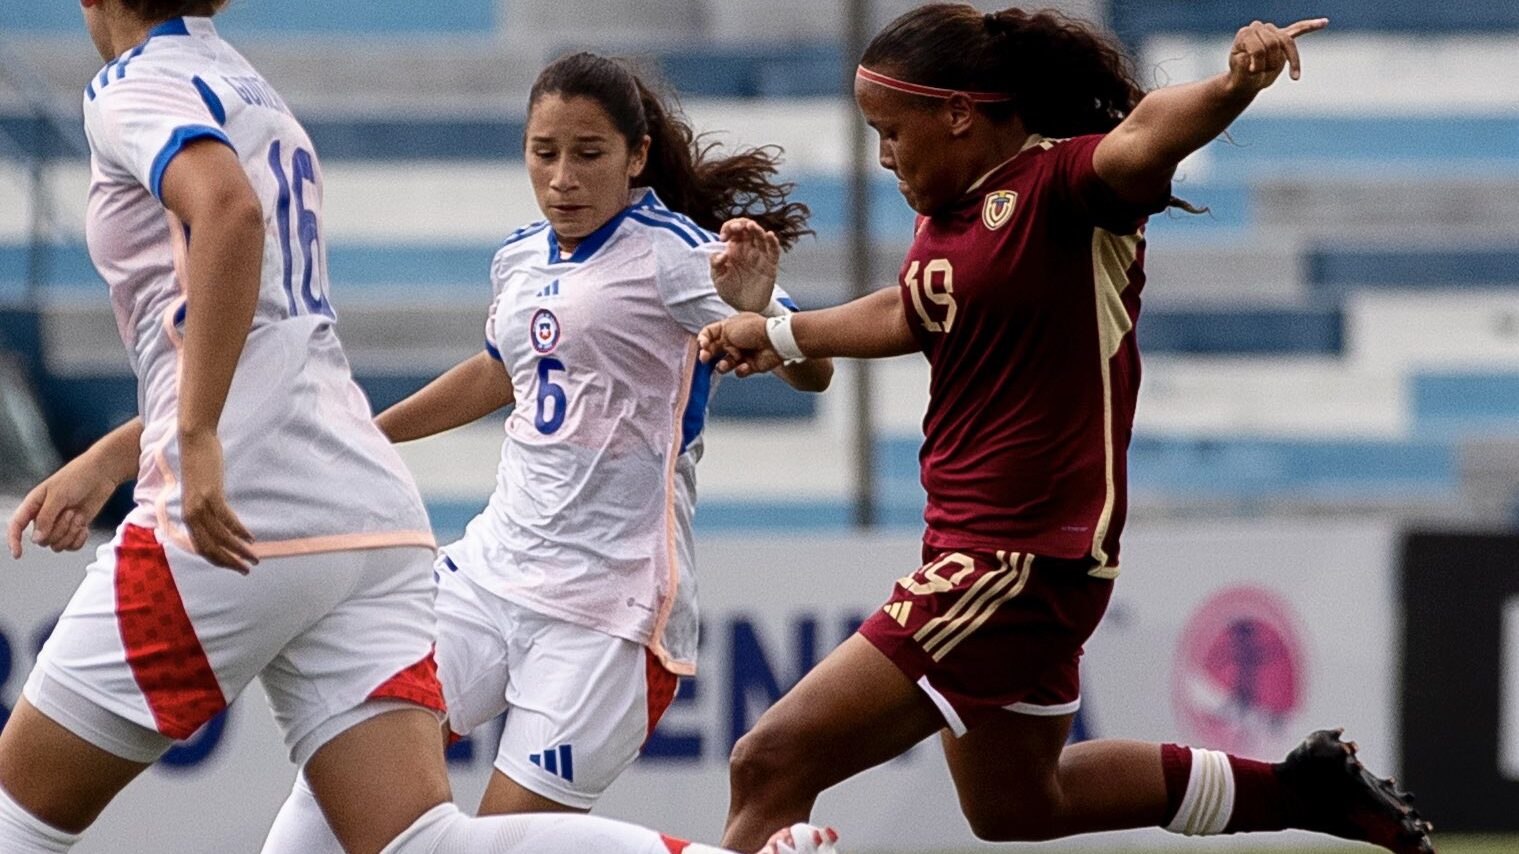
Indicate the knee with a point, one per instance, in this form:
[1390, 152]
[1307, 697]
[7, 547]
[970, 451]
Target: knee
[1013, 821]
[765, 760]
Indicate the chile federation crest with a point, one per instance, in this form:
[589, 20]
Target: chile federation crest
[544, 332]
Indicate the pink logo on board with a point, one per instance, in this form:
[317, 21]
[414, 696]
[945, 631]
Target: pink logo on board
[1240, 677]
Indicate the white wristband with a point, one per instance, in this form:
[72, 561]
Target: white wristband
[775, 309]
[778, 330]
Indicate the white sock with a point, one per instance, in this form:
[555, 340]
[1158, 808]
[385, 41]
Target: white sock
[23, 833]
[446, 830]
[1209, 802]
[301, 827]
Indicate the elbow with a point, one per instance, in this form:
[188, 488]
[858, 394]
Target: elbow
[816, 377]
[243, 213]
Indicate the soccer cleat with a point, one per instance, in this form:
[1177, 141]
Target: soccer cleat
[1340, 797]
[802, 839]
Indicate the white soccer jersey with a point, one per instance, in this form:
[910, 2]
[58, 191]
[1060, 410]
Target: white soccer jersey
[306, 470]
[591, 517]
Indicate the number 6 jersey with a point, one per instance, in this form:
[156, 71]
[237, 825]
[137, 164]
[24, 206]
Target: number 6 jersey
[305, 468]
[590, 521]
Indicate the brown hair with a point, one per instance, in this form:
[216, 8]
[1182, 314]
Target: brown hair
[686, 174]
[163, 10]
[1064, 77]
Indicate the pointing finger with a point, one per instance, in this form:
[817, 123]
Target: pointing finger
[1311, 25]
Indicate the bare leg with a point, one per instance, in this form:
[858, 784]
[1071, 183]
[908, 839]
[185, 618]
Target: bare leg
[375, 780]
[854, 711]
[55, 775]
[1016, 783]
[505, 796]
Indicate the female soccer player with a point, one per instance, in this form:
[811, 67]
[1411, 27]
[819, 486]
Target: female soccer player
[276, 532]
[1033, 160]
[571, 599]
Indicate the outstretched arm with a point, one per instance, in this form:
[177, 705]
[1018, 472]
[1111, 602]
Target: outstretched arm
[470, 390]
[871, 327]
[1138, 158]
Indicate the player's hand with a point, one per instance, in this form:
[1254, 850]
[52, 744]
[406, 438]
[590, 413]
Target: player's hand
[744, 271]
[217, 533]
[738, 345]
[62, 507]
[1262, 50]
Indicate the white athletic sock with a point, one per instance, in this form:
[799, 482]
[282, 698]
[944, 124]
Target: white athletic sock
[446, 830]
[23, 833]
[1209, 802]
[301, 827]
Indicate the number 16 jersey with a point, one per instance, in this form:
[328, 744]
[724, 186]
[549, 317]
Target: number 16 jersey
[305, 468]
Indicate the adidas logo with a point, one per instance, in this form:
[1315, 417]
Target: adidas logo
[898, 611]
[550, 290]
[557, 761]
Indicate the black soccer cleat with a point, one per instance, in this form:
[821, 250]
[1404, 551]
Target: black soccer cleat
[1340, 797]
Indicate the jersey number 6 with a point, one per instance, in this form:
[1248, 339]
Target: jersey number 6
[943, 296]
[548, 391]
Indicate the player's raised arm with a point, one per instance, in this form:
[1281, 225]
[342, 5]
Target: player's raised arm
[469, 391]
[1138, 157]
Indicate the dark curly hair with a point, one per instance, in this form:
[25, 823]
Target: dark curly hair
[163, 10]
[1065, 77]
[685, 172]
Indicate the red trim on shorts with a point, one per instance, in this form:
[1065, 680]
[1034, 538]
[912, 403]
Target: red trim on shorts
[675, 846]
[163, 651]
[416, 684]
[662, 687]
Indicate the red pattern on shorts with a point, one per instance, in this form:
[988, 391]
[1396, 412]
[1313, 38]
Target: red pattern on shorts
[674, 845]
[662, 687]
[163, 651]
[416, 684]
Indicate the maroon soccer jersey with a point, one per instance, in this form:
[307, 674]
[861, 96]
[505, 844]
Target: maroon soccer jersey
[1024, 296]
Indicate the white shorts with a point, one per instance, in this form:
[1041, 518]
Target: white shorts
[580, 703]
[157, 641]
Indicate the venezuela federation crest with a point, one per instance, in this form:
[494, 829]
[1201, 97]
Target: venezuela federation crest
[998, 209]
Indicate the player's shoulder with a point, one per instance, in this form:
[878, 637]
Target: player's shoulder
[665, 230]
[152, 70]
[523, 245]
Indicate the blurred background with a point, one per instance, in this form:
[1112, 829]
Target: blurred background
[1325, 467]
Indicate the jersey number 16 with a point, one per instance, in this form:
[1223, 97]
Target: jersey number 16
[305, 229]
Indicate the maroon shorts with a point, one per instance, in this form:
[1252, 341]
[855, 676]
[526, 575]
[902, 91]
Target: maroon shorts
[985, 633]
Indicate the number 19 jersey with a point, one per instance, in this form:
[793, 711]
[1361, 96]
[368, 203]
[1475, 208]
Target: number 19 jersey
[305, 468]
[1024, 295]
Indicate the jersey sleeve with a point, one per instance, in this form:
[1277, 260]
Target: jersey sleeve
[1089, 196]
[144, 122]
[685, 286]
[498, 279]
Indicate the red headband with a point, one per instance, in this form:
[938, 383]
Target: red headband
[880, 79]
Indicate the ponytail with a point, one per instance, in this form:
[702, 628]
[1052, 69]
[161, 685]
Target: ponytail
[688, 175]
